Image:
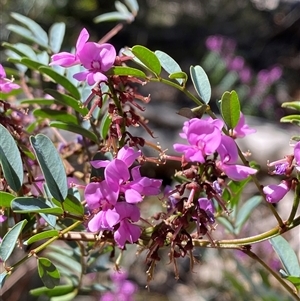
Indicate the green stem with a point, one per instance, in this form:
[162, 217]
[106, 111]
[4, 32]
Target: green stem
[248, 240]
[44, 245]
[274, 273]
[295, 204]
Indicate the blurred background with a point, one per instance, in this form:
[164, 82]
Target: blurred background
[251, 46]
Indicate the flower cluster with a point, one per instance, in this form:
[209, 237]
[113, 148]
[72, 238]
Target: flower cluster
[275, 193]
[205, 138]
[113, 201]
[95, 58]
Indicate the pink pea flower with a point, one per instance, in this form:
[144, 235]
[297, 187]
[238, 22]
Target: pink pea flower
[6, 85]
[203, 136]
[297, 155]
[228, 150]
[66, 59]
[236, 172]
[3, 218]
[242, 129]
[274, 193]
[100, 196]
[207, 205]
[127, 231]
[97, 59]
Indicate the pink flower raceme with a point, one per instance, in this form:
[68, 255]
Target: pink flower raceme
[66, 59]
[274, 193]
[97, 59]
[6, 85]
[113, 200]
[203, 136]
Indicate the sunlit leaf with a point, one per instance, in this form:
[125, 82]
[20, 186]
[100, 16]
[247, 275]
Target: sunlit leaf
[181, 77]
[230, 108]
[51, 166]
[133, 6]
[295, 105]
[286, 255]
[169, 65]
[104, 125]
[59, 290]
[126, 71]
[291, 119]
[38, 32]
[42, 235]
[5, 199]
[201, 83]
[56, 36]
[9, 240]
[148, 58]
[113, 16]
[10, 160]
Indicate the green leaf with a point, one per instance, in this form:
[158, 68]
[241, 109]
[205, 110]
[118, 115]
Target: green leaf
[9, 240]
[59, 290]
[294, 280]
[148, 58]
[291, 119]
[230, 108]
[72, 205]
[51, 166]
[295, 105]
[104, 125]
[201, 83]
[126, 71]
[75, 129]
[133, 6]
[181, 77]
[245, 211]
[21, 49]
[61, 80]
[31, 64]
[169, 65]
[286, 255]
[23, 32]
[121, 7]
[5, 199]
[56, 36]
[38, 32]
[113, 16]
[48, 273]
[3, 278]
[31, 205]
[42, 235]
[38, 101]
[58, 115]
[67, 100]
[10, 160]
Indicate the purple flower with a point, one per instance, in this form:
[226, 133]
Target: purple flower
[214, 43]
[236, 64]
[236, 172]
[242, 129]
[203, 136]
[245, 75]
[100, 197]
[3, 218]
[208, 207]
[6, 85]
[97, 59]
[280, 168]
[66, 59]
[123, 289]
[127, 231]
[228, 150]
[274, 193]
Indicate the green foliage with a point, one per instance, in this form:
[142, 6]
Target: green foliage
[48, 273]
[9, 240]
[51, 166]
[230, 108]
[10, 160]
[201, 83]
